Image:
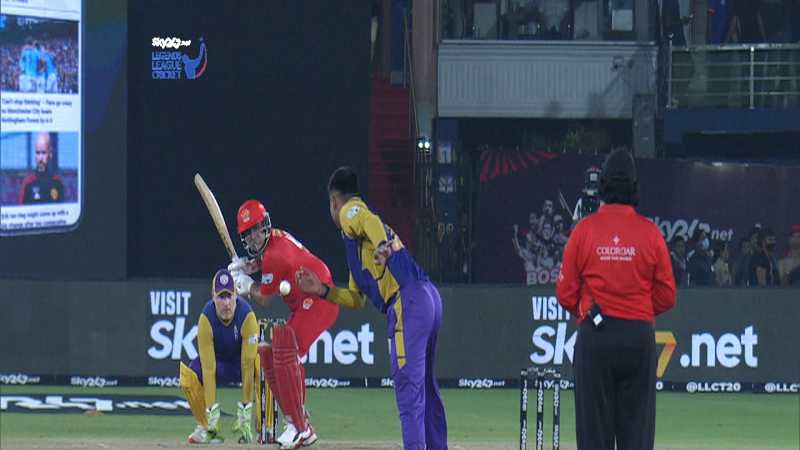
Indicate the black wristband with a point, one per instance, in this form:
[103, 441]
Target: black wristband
[326, 291]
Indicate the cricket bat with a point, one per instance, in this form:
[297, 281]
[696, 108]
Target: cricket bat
[216, 214]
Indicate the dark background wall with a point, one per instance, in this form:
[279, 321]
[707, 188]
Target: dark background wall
[97, 248]
[771, 135]
[283, 102]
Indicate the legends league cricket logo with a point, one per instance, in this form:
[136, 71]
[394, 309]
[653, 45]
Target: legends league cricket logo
[192, 67]
[173, 64]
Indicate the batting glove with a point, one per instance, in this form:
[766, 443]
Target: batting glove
[243, 283]
[238, 264]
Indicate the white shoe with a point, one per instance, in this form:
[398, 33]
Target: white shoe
[304, 439]
[312, 437]
[289, 431]
[198, 436]
[201, 436]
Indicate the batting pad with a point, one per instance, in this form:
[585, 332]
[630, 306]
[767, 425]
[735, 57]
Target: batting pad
[288, 375]
[193, 390]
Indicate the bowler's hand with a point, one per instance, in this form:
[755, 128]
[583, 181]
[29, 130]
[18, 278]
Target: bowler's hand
[308, 281]
[382, 253]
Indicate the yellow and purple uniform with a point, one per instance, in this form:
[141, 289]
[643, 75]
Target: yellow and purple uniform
[228, 352]
[401, 290]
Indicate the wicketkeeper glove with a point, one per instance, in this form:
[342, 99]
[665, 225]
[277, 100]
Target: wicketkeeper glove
[244, 422]
[212, 417]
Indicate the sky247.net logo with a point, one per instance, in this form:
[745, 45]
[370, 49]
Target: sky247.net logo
[168, 62]
[92, 381]
[18, 378]
[480, 383]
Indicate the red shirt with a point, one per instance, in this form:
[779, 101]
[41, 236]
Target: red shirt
[619, 260]
[283, 257]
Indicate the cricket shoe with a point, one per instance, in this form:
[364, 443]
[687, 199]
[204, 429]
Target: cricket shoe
[203, 436]
[289, 432]
[297, 440]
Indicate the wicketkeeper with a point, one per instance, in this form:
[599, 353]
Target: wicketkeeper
[227, 338]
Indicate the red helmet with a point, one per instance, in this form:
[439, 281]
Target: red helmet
[250, 214]
[253, 214]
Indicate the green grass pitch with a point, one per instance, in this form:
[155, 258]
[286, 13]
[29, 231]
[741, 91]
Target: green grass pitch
[367, 418]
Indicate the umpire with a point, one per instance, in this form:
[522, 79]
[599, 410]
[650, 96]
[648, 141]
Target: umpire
[616, 276]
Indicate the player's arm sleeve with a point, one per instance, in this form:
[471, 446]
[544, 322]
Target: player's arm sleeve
[205, 346]
[270, 279]
[349, 297]
[358, 222]
[568, 285]
[249, 352]
[268, 287]
[664, 292]
[269, 282]
[374, 229]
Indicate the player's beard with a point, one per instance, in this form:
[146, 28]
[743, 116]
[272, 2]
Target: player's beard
[226, 316]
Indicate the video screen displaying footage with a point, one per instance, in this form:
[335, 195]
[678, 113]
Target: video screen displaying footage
[41, 158]
[39, 55]
[39, 168]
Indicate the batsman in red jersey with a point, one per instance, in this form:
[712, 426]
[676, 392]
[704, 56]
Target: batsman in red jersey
[278, 256]
[616, 276]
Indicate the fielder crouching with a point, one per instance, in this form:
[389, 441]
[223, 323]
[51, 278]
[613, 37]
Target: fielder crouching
[227, 338]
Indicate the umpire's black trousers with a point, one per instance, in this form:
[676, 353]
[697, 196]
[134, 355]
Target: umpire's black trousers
[615, 375]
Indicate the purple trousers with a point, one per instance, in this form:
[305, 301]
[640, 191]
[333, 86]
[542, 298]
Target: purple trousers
[228, 372]
[414, 321]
